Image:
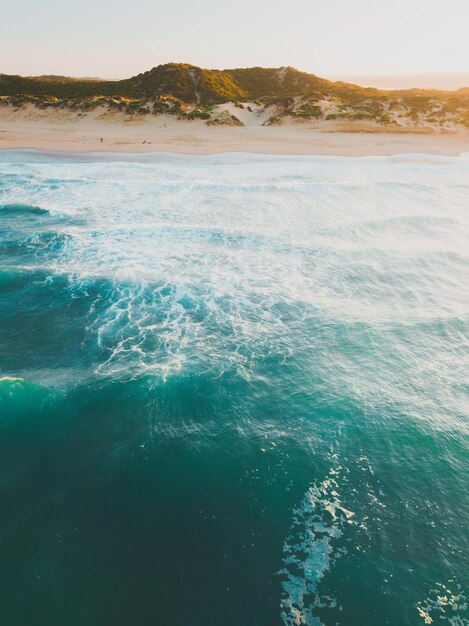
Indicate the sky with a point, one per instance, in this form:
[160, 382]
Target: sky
[121, 38]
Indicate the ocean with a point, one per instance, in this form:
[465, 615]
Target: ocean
[234, 390]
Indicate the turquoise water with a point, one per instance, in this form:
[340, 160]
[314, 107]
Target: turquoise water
[234, 390]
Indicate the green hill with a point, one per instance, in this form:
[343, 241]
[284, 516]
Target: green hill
[59, 87]
[189, 83]
[260, 82]
[186, 82]
[190, 92]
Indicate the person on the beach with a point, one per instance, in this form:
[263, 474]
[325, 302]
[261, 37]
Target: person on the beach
[101, 140]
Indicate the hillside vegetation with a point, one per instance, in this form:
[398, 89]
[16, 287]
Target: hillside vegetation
[283, 93]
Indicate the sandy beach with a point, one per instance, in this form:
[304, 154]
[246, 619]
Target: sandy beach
[103, 131]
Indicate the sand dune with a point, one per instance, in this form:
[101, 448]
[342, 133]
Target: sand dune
[101, 130]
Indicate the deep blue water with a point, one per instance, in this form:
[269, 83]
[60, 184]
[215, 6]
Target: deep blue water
[234, 390]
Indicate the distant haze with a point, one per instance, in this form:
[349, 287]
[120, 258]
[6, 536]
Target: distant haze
[115, 38]
[449, 81]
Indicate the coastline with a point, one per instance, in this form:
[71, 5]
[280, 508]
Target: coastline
[165, 134]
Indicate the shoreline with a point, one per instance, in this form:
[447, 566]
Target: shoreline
[157, 155]
[346, 147]
[95, 134]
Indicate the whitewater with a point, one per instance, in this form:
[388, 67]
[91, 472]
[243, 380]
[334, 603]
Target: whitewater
[234, 390]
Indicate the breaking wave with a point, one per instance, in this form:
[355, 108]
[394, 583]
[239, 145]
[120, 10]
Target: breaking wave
[216, 368]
